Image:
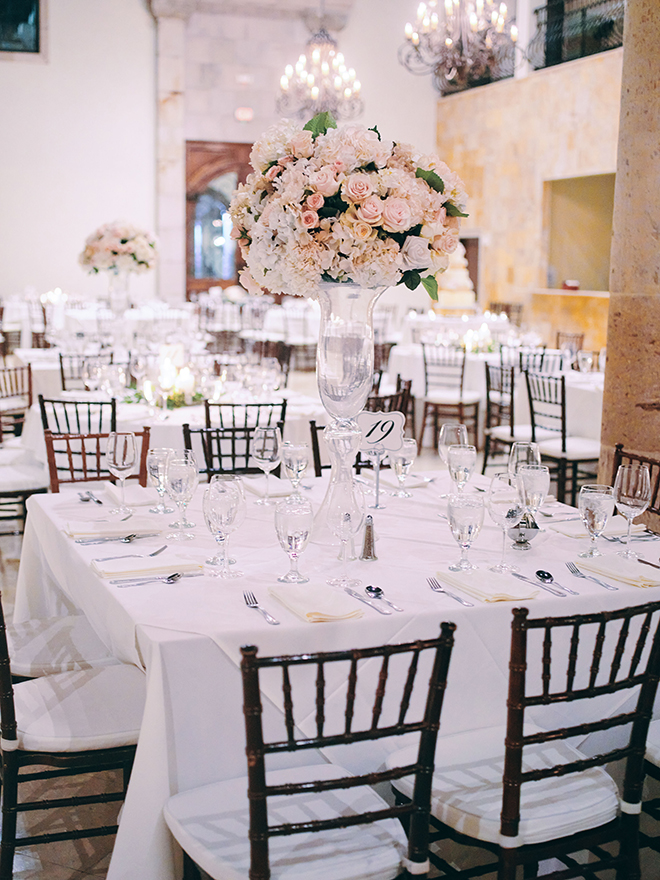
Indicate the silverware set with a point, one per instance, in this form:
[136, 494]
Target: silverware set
[434, 584]
[251, 602]
[575, 571]
[89, 496]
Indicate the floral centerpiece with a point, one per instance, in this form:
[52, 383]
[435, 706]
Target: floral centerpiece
[119, 247]
[344, 205]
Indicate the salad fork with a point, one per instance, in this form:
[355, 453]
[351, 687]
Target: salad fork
[437, 588]
[574, 570]
[251, 602]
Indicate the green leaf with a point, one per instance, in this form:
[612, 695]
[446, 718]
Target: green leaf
[320, 124]
[434, 180]
[431, 286]
[400, 237]
[411, 279]
[453, 211]
[375, 128]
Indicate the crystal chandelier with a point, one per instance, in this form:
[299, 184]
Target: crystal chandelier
[462, 43]
[320, 81]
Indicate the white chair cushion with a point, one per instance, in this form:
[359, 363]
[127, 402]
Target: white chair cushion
[211, 824]
[653, 744]
[452, 396]
[467, 789]
[15, 403]
[23, 478]
[56, 644]
[520, 432]
[90, 709]
[577, 449]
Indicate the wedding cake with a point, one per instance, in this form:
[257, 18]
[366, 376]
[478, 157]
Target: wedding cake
[455, 288]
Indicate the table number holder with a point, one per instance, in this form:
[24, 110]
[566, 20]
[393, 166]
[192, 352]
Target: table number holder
[381, 433]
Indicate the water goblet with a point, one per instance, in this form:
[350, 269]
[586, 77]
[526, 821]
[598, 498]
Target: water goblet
[402, 460]
[224, 509]
[461, 460]
[451, 434]
[535, 482]
[632, 495]
[596, 506]
[267, 452]
[585, 361]
[293, 523]
[120, 454]
[295, 458]
[182, 480]
[523, 453]
[236, 480]
[346, 513]
[157, 460]
[506, 507]
[466, 516]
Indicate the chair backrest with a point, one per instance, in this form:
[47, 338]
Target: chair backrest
[72, 365]
[513, 311]
[224, 450]
[574, 660]
[443, 367]
[547, 404]
[382, 355]
[314, 431]
[386, 402]
[80, 458]
[78, 416]
[16, 382]
[531, 359]
[623, 456]
[571, 341]
[244, 415]
[276, 348]
[349, 728]
[500, 385]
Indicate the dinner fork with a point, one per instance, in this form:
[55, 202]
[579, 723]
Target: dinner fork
[132, 555]
[574, 570]
[251, 602]
[435, 586]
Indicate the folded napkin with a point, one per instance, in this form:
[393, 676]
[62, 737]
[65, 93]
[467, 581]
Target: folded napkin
[277, 488]
[135, 567]
[487, 586]
[135, 496]
[615, 528]
[389, 481]
[95, 529]
[315, 603]
[618, 568]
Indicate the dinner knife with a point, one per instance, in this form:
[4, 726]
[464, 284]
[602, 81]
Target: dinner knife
[355, 595]
[135, 582]
[521, 577]
[119, 538]
[646, 562]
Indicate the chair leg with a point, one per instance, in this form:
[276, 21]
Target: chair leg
[422, 428]
[561, 481]
[9, 816]
[190, 869]
[486, 452]
[506, 866]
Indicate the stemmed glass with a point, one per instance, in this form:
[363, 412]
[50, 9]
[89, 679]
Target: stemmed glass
[91, 374]
[293, 524]
[157, 460]
[236, 480]
[596, 505]
[402, 460]
[120, 454]
[224, 509]
[632, 494]
[346, 513]
[506, 508]
[182, 480]
[535, 482]
[523, 453]
[295, 458]
[466, 516]
[138, 369]
[451, 434]
[461, 460]
[267, 453]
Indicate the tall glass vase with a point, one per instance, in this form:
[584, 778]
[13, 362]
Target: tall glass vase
[344, 374]
[118, 296]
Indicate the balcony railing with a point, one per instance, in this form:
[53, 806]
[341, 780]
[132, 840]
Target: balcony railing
[570, 29]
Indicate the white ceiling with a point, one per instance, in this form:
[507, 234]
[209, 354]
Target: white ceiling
[276, 8]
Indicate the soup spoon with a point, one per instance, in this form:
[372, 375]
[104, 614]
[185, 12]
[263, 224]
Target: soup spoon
[546, 578]
[377, 593]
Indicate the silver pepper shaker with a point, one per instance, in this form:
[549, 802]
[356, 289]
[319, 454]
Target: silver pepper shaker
[369, 546]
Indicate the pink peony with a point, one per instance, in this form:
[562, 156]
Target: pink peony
[309, 219]
[314, 202]
[396, 214]
[371, 210]
[357, 187]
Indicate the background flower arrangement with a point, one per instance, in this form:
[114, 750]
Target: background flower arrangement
[329, 204]
[119, 247]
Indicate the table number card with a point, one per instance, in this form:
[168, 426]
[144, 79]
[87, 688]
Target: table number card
[381, 432]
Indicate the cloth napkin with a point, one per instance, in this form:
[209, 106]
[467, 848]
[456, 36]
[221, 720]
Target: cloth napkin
[136, 496]
[277, 488]
[133, 567]
[616, 527]
[618, 568]
[315, 603]
[487, 586]
[95, 529]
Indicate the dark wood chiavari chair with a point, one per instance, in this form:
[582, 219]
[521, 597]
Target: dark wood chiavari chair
[15, 398]
[224, 450]
[72, 367]
[243, 415]
[80, 458]
[444, 397]
[78, 416]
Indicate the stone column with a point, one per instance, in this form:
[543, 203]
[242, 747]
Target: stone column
[631, 405]
[171, 16]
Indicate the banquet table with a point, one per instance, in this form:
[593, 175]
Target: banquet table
[187, 635]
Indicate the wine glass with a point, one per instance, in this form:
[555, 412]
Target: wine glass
[523, 453]
[632, 494]
[461, 460]
[451, 434]
[91, 374]
[157, 460]
[234, 478]
[535, 482]
[402, 460]
[138, 369]
[346, 513]
[224, 509]
[585, 361]
[596, 506]
[506, 507]
[295, 458]
[267, 452]
[293, 524]
[466, 516]
[182, 480]
[120, 454]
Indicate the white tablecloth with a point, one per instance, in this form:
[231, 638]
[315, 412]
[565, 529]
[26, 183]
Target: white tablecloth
[188, 635]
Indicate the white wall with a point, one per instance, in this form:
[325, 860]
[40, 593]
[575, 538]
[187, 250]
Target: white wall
[77, 138]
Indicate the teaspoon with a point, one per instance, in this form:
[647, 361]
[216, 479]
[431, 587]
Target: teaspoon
[377, 593]
[546, 578]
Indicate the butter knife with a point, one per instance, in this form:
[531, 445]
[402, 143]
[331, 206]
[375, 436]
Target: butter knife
[366, 601]
[521, 577]
[123, 539]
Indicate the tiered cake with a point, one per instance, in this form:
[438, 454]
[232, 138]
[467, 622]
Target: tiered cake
[455, 288]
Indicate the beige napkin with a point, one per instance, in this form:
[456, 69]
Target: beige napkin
[315, 603]
[136, 525]
[134, 567]
[135, 496]
[277, 488]
[615, 528]
[487, 586]
[618, 568]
